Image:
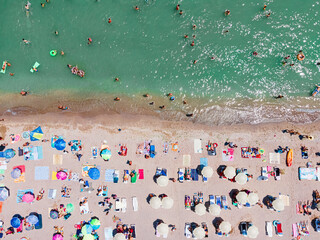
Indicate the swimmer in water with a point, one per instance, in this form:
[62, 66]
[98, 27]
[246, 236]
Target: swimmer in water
[89, 41]
[116, 79]
[194, 27]
[27, 7]
[146, 95]
[184, 102]
[192, 44]
[180, 12]
[255, 53]
[186, 36]
[178, 7]
[117, 99]
[162, 107]
[23, 93]
[264, 7]
[62, 53]
[56, 33]
[268, 15]
[169, 94]
[195, 61]
[227, 12]
[109, 20]
[287, 57]
[11, 74]
[136, 8]
[25, 41]
[278, 97]
[42, 4]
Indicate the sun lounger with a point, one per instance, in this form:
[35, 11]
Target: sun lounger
[94, 151]
[118, 205]
[133, 234]
[135, 204]
[141, 174]
[200, 195]
[264, 173]
[158, 172]
[269, 229]
[304, 154]
[126, 176]
[152, 151]
[295, 231]
[108, 233]
[187, 232]
[197, 146]
[194, 175]
[218, 201]
[181, 175]
[134, 177]
[164, 172]
[124, 204]
[205, 227]
[39, 224]
[52, 193]
[224, 202]
[278, 227]
[277, 175]
[109, 175]
[186, 160]
[211, 199]
[195, 200]
[187, 202]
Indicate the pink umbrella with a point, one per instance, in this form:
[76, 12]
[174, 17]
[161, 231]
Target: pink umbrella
[57, 236]
[62, 175]
[28, 197]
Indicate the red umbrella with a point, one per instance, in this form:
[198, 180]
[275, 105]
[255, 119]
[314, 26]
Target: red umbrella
[28, 197]
[62, 175]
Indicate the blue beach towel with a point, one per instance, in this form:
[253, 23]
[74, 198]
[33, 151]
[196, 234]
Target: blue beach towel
[194, 175]
[41, 173]
[32, 153]
[109, 175]
[204, 162]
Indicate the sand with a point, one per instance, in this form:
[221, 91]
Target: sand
[134, 130]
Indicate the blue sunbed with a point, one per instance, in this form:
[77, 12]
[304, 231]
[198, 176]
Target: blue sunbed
[152, 151]
[194, 175]
[218, 201]
[39, 224]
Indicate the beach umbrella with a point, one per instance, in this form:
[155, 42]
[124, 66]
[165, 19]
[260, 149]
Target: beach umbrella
[9, 153]
[4, 193]
[253, 232]
[57, 236]
[214, 209]
[24, 238]
[163, 229]
[32, 219]
[88, 237]
[15, 222]
[229, 172]
[54, 214]
[199, 233]
[242, 198]
[62, 175]
[253, 198]
[200, 209]
[69, 208]
[241, 178]
[167, 202]
[36, 134]
[86, 229]
[119, 236]
[162, 181]
[155, 202]
[105, 154]
[60, 144]
[94, 173]
[95, 223]
[207, 172]
[16, 173]
[278, 205]
[28, 197]
[225, 227]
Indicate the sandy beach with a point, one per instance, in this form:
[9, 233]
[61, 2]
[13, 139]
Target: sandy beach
[135, 130]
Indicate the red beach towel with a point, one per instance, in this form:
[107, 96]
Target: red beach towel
[141, 174]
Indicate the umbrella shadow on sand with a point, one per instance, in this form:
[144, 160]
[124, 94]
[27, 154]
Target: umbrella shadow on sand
[150, 195]
[216, 222]
[156, 223]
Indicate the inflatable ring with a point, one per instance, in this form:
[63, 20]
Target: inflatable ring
[261, 151]
[300, 56]
[53, 53]
[215, 145]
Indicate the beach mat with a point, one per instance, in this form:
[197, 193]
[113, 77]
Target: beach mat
[141, 174]
[109, 175]
[57, 159]
[274, 158]
[197, 146]
[41, 173]
[186, 160]
[32, 153]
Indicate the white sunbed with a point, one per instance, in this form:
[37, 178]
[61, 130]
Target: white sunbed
[52, 193]
[108, 233]
[118, 205]
[269, 229]
[135, 204]
[197, 146]
[181, 174]
[124, 204]
[187, 233]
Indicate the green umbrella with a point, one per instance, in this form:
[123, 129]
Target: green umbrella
[70, 208]
[95, 223]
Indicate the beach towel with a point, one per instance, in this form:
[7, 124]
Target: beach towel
[20, 193]
[295, 230]
[94, 151]
[186, 160]
[54, 175]
[135, 204]
[108, 233]
[41, 173]
[204, 162]
[73, 176]
[141, 174]
[3, 166]
[75, 145]
[52, 193]
[227, 155]
[197, 146]
[194, 175]
[285, 199]
[109, 175]
[57, 159]
[274, 158]
[32, 153]
[22, 177]
[307, 173]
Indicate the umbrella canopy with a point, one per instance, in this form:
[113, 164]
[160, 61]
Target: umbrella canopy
[95, 223]
[88, 237]
[253, 232]
[278, 205]
[241, 178]
[119, 236]
[225, 227]
[199, 233]
[54, 214]
[62, 175]
[32, 219]
[15, 222]
[105, 154]
[4, 193]
[36, 134]
[60, 144]
[162, 181]
[155, 202]
[207, 172]
[57, 236]
[16, 173]
[69, 208]
[163, 229]
[242, 198]
[94, 173]
[229, 172]
[167, 202]
[200, 209]
[28, 197]
[253, 198]
[86, 229]
[214, 209]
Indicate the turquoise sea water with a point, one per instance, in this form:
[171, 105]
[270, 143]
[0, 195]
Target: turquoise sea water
[147, 50]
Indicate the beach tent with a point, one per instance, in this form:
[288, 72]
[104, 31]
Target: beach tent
[119, 236]
[278, 205]
[54, 214]
[36, 134]
[167, 202]
[4, 193]
[225, 227]
[242, 198]
[28, 197]
[69, 208]
[155, 202]
[60, 144]
[105, 154]
[214, 209]
[162, 181]
[57, 236]
[61, 175]
[16, 173]
[95, 223]
[241, 178]
[9, 153]
[94, 173]
[207, 172]
[15, 222]
[199, 233]
[86, 229]
[253, 198]
[200, 209]
[253, 232]
[163, 229]
[229, 172]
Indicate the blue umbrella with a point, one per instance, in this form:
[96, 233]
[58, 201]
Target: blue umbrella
[60, 144]
[32, 219]
[36, 134]
[94, 173]
[54, 214]
[15, 222]
[16, 173]
[4, 193]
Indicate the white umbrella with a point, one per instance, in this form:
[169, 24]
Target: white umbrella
[163, 229]
[278, 205]
[229, 172]
[241, 178]
[253, 198]
[253, 232]
[167, 202]
[199, 233]
[155, 202]
[207, 172]
[214, 209]
[242, 198]
[162, 181]
[119, 236]
[200, 209]
[225, 227]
